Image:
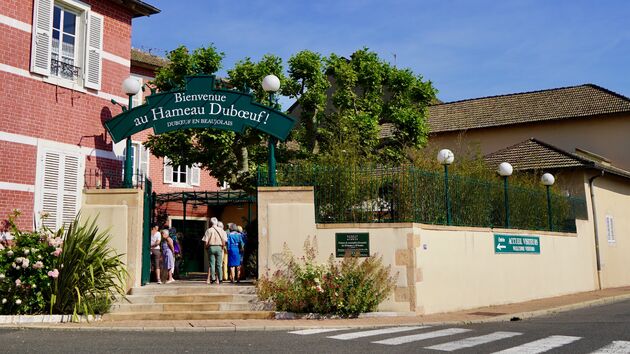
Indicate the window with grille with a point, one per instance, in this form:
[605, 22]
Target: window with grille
[67, 43]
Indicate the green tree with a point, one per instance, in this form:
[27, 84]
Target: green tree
[228, 156]
[342, 104]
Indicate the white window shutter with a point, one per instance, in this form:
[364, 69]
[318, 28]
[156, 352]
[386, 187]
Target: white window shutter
[93, 54]
[195, 175]
[168, 171]
[70, 193]
[42, 36]
[144, 160]
[50, 202]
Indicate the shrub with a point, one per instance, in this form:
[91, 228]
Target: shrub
[65, 272]
[91, 273]
[24, 280]
[346, 288]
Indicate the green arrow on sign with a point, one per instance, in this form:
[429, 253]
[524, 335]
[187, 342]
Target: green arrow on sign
[516, 244]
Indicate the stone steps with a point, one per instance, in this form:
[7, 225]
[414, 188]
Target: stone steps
[183, 307]
[200, 288]
[175, 316]
[189, 301]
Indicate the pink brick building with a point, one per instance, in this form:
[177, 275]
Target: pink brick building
[62, 62]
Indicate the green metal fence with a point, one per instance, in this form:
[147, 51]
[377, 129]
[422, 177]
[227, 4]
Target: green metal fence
[409, 194]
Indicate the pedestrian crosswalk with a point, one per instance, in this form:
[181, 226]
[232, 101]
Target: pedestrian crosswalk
[416, 334]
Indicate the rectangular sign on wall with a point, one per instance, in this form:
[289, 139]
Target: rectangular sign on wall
[516, 244]
[355, 244]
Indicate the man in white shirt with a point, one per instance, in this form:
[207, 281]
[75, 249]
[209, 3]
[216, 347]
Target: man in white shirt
[214, 240]
[156, 253]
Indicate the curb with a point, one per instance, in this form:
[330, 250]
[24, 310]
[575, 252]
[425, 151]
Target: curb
[281, 327]
[558, 309]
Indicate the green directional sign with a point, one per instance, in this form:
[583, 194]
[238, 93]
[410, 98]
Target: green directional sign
[200, 105]
[516, 244]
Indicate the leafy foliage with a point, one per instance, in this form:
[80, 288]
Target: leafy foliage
[230, 157]
[65, 272]
[91, 273]
[343, 105]
[377, 193]
[345, 288]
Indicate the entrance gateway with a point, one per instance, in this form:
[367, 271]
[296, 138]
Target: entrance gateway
[200, 105]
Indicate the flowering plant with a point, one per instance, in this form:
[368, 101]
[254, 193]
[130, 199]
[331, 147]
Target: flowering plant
[71, 271]
[345, 288]
[24, 282]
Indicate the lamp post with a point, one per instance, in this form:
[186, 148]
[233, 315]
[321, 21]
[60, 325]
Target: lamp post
[131, 87]
[271, 84]
[548, 180]
[505, 170]
[446, 157]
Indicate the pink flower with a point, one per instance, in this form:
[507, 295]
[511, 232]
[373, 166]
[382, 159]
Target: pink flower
[18, 282]
[38, 265]
[57, 252]
[53, 273]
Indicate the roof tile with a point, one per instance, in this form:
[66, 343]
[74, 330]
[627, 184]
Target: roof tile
[560, 103]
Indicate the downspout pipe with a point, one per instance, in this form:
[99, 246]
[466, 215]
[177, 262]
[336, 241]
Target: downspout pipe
[595, 229]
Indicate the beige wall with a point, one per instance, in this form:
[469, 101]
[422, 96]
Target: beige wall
[612, 198]
[442, 268]
[604, 135]
[121, 211]
[461, 270]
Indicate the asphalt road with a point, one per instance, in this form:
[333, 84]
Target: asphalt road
[581, 331]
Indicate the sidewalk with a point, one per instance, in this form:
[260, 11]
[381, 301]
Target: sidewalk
[521, 310]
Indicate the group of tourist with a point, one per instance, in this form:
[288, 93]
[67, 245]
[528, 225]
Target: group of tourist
[225, 251]
[164, 249]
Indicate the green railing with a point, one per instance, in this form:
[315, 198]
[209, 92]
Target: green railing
[409, 194]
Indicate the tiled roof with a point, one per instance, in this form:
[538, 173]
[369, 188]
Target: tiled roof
[533, 154]
[141, 57]
[560, 103]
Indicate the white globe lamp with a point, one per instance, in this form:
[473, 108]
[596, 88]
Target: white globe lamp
[271, 83]
[547, 179]
[131, 86]
[445, 157]
[505, 169]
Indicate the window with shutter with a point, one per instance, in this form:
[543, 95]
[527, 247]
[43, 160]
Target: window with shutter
[181, 176]
[61, 188]
[67, 43]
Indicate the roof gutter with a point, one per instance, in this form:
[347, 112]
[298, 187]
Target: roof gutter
[595, 229]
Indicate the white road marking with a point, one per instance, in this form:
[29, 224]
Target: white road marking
[473, 341]
[422, 336]
[317, 330]
[616, 347]
[541, 346]
[375, 332]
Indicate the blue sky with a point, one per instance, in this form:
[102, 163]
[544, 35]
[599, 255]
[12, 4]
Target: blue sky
[467, 48]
